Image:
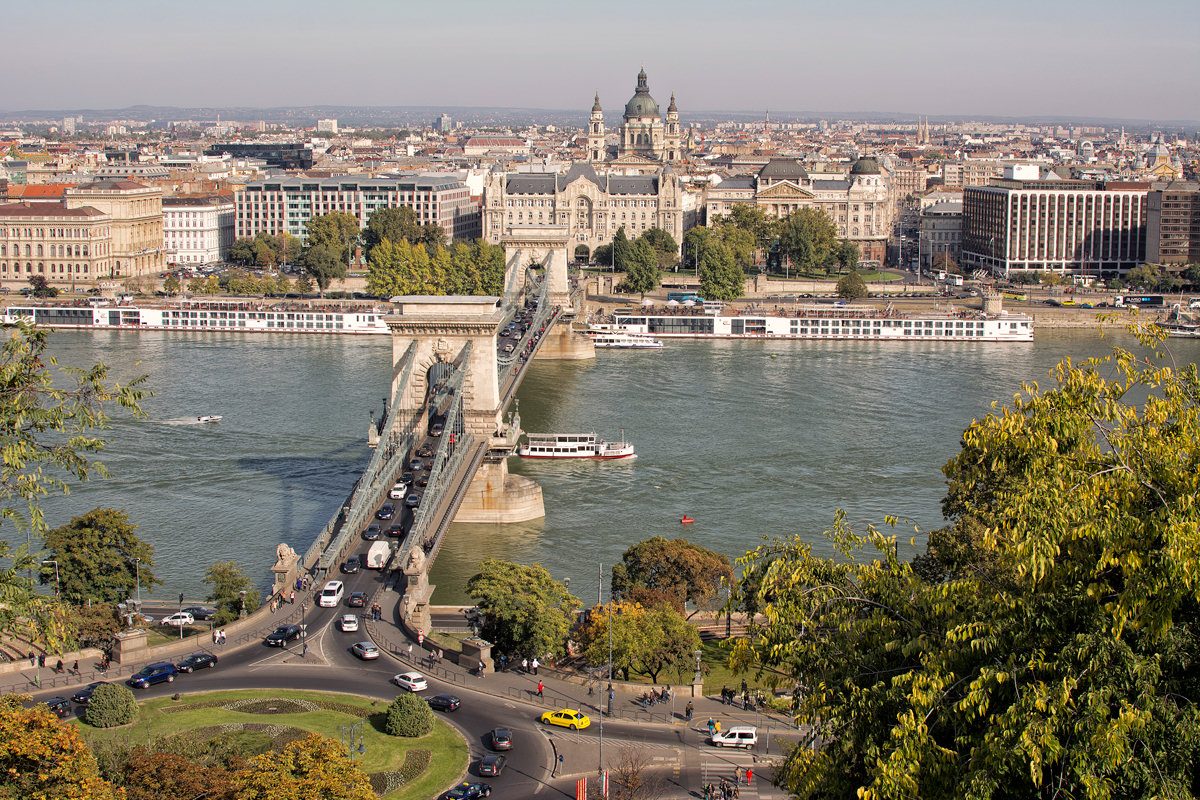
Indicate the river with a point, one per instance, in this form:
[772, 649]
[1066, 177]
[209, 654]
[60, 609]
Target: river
[750, 438]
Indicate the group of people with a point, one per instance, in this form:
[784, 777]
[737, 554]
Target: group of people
[530, 667]
[218, 636]
[39, 660]
[750, 700]
[726, 790]
[655, 696]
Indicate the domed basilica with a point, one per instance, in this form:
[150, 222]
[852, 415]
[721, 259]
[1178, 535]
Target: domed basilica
[645, 136]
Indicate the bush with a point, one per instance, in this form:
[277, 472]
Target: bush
[111, 705]
[408, 715]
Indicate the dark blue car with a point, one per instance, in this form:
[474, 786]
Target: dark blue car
[163, 672]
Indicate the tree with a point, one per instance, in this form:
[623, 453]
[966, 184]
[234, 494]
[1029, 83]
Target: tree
[1145, 276]
[603, 255]
[309, 769]
[172, 285]
[694, 243]
[39, 287]
[1044, 644]
[394, 224]
[685, 571]
[94, 625]
[323, 264]
[525, 610]
[433, 236]
[720, 277]
[808, 238]
[634, 778]
[230, 590]
[847, 255]
[490, 261]
[754, 220]
[110, 705]
[852, 286]
[622, 249]
[329, 246]
[25, 612]
[649, 640]
[944, 262]
[243, 251]
[666, 251]
[153, 775]
[42, 758]
[409, 716]
[1192, 274]
[100, 558]
[641, 269]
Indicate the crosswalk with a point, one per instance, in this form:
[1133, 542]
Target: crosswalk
[732, 764]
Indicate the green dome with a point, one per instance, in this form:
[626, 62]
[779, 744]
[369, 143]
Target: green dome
[641, 104]
[865, 166]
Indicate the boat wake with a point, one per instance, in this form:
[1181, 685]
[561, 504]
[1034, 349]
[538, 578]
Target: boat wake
[187, 421]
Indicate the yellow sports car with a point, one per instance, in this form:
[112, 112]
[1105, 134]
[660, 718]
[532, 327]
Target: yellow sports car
[566, 718]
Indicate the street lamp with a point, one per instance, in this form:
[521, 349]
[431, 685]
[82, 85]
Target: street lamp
[242, 611]
[57, 583]
[697, 678]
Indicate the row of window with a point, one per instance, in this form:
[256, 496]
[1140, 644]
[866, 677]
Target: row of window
[59, 250]
[55, 269]
[582, 202]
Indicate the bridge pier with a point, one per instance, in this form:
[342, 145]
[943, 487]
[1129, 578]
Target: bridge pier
[563, 344]
[499, 497]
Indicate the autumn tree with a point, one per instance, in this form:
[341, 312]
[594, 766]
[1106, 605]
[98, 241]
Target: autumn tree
[172, 285]
[1044, 645]
[685, 572]
[154, 775]
[313, 768]
[650, 640]
[230, 589]
[99, 558]
[525, 610]
[43, 758]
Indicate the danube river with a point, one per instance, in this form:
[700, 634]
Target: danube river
[752, 439]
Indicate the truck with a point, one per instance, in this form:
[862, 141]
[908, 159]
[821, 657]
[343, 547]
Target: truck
[378, 555]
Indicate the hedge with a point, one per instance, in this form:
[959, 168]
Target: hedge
[110, 705]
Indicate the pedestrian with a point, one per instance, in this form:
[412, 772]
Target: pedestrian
[712, 727]
[410, 651]
[718, 726]
[688, 711]
[749, 775]
[481, 669]
[611, 696]
[725, 695]
[524, 665]
[737, 775]
[32, 659]
[304, 650]
[541, 689]
[216, 635]
[534, 664]
[41, 660]
[223, 636]
[58, 666]
[75, 667]
[292, 598]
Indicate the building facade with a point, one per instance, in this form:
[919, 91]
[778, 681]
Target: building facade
[136, 222]
[1054, 225]
[197, 230]
[592, 206]
[860, 205]
[1173, 223]
[940, 232]
[70, 247]
[277, 206]
[284, 155]
[971, 172]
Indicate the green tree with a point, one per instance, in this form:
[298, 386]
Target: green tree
[227, 582]
[641, 269]
[694, 243]
[43, 758]
[409, 716]
[330, 243]
[172, 285]
[741, 244]
[754, 220]
[684, 572]
[433, 236]
[603, 255]
[847, 254]
[525, 610]
[622, 250]
[643, 639]
[100, 558]
[323, 264]
[1192, 274]
[666, 251]
[314, 767]
[243, 251]
[110, 705]
[720, 277]
[1044, 644]
[40, 287]
[25, 612]
[94, 625]
[1145, 276]
[303, 283]
[490, 262]
[851, 286]
[394, 224]
[808, 238]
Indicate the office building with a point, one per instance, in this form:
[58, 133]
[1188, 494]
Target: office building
[1173, 223]
[197, 230]
[329, 126]
[940, 232]
[285, 155]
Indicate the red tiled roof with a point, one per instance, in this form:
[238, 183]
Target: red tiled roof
[30, 191]
[46, 210]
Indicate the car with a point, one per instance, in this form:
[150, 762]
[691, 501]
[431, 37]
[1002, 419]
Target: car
[282, 635]
[178, 619]
[491, 765]
[347, 623]
[413, 500]
[200, 613]
[59, 706]
[416, 464]
[437, 429]
[566, 718]
[413, 681]
[423, 481]
[736, 736]
[331, 595]
[425, 452]
[372, 533]
[197, 661]
[367, 651]
[468, 791]
[386, 511]
[444, 702]
[357, 599]
[501, 739]
[84, 695]
[396, 531]
[351, 565]
[397, 491]
[162, 672]
[406, 478]
[508, 348]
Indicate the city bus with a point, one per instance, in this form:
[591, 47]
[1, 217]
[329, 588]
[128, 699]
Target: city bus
[1139, 301]
[683, 297]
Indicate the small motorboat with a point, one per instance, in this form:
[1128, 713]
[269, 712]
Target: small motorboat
[686, 520]
[209, 418]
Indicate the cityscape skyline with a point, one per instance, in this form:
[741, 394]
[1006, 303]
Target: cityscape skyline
[872, 59]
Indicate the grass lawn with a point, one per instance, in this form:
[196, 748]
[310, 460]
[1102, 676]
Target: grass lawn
[163, 634]
[881, 276]
[383, 752]
[717, 674]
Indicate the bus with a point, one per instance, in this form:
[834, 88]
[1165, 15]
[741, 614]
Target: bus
[683, 297]
[1139, 301]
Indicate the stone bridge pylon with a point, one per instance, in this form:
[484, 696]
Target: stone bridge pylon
[547, 246]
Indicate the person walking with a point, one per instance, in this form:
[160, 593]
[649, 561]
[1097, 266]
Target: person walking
[534, 664]
[216, 635]
[292, 598]
[304, 650]
[688, 711]
[75, 667]
[541, 688]
[712, 727]
[480, 670]
[524, 665]
[749, 775]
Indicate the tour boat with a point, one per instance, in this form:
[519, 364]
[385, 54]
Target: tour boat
[209, 418]
[573, 445]
[210, 316]
[620, 340]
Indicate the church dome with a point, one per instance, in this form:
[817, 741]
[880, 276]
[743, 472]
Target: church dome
[865, 166]
[641, 104]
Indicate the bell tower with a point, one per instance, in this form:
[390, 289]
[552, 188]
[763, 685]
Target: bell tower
[671, 136]
[596, 147]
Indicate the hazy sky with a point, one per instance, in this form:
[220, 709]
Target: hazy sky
[1015, 57]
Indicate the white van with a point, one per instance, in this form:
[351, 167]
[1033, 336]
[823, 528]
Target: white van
[331, 595]
[378, 555]
[737, 736]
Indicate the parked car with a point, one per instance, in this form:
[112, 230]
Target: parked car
[501, 739]
[413, 681]
[197, 661]
[351, 565]
[178, 619]
[468, 791]
[282, 635]
[566, 718]
[162, 672]
[84, 695]
[372, 533]
[736, 736]
[348, 623]
[491, 765]
[443, 702]
[331, 595]
[367, 651]
[201, 612]
[386, 511]
[357, 599]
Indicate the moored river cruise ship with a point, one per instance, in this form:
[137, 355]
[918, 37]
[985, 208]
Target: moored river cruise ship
[824, 322]
[243, 317]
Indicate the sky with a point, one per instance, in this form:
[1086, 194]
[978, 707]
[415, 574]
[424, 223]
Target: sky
[1058, 58]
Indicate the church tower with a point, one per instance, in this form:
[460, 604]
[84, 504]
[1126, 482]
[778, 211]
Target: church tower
[671, 137]
[596, 147]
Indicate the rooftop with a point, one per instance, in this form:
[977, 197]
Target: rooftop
[48, 210]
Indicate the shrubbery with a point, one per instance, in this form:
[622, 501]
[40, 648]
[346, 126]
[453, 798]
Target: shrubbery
[408, 715]
[111, 705]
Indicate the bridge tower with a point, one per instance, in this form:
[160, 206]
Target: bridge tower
[547, 246]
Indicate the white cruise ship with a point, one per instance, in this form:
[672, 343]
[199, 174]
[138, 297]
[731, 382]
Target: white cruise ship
[237, 316]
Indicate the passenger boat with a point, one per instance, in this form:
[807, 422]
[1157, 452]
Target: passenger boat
[573, 445]
[833, 322]
[1182, 330]
[215, 315]
[620, 340]
[209, 418]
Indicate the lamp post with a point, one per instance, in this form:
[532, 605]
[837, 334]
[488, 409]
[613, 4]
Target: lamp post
[57, 583]
[697, 678]
[242, 611]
